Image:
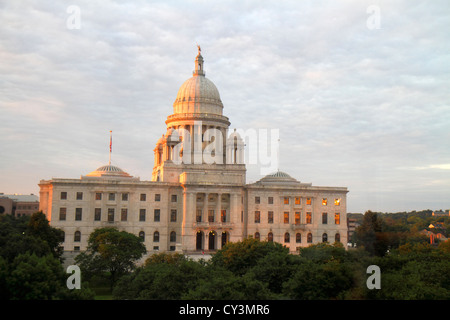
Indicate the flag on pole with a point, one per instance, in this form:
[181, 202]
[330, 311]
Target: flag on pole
[110, 146]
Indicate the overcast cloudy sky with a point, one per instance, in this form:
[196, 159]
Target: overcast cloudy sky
[360, 90]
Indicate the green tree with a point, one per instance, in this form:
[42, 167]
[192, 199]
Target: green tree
[313, 281]
[112, 251]
[239, 257]
[159, 279]
[34, 278]
[222, 284]
[39, 227]
[369, 234]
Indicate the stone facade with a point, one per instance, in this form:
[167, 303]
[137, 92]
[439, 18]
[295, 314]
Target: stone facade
[198, 199]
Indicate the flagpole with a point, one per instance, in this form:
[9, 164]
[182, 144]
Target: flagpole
[110, 146]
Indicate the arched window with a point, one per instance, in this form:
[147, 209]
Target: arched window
[298, 238]
[337, 237]
[142, 235]
[173, 236]
[270, 237]
[156, 236]
[257, 236]
[309, 238]
[287, 237]
[77, 236]
[324, 237]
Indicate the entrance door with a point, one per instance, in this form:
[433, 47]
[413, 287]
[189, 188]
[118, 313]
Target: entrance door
[212, 240]
[224, 238]
[199, 244]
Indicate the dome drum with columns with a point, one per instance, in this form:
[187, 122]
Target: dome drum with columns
[197, 102]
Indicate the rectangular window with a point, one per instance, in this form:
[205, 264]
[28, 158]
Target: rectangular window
[124, 196]
[112, 197]
[257, 200]
[142, 215]
[286, 217]
[270, 200]
[308, 201]
[286, 200]
[143, 197]
[111, 214]
[257, 216]
[156, 215]
[78, 214]
[63, 195]
[199, 215]
[337, 218]
[98, 196]
[124, 214]
[79, 195]
[157, 197]
[337, 202]
[298, 200]
[173, 215]
[97, 214]
[174, 198]
[324, 201]
[324, 218]
[210, 215]
[270, 217]
[62, 214]
[308, 218]
[297, 218]
[223, 215]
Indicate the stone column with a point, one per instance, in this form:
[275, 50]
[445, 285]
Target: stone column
[187, 230]
[205, 208]
[219, 207]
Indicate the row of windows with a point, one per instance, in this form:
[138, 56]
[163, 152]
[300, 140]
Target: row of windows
[112, 196]
[287, 237]
[297, 217]
[27, 207]
[172, 237]
[298, 201]
[111, 214]
[298, 237]
[211, 215]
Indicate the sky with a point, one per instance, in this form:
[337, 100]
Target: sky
[358, 90]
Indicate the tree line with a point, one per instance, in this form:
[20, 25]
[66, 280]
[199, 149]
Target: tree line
[411, 268]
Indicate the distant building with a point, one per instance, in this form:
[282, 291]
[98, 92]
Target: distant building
[352, 224]
[441, 213]
[434, 237]
[18, 204]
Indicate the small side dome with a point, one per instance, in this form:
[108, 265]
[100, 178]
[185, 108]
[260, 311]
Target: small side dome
[109, 170]
[279, 177]
[279, 174]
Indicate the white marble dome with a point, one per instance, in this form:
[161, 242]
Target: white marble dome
[198, 94]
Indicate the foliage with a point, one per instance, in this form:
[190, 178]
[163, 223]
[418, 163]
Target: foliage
[321, 271]
[110, 250]
[238, 257]
[30, 261]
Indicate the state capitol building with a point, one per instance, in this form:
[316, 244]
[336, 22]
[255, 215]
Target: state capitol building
[195, 204]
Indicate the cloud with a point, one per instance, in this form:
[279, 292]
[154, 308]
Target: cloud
[354, 106]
